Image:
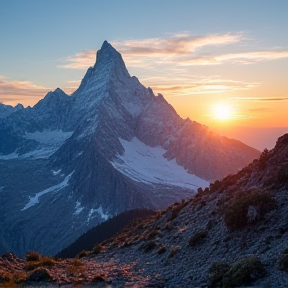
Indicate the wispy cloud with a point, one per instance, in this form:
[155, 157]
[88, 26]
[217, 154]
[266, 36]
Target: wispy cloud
[178, 49]
[12, 92]
[240, 58]
[81, 60]
[198, 85]
[259, 99]
[178, 44]
[156, 49]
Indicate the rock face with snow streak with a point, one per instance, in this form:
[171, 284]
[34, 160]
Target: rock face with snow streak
[71, 162]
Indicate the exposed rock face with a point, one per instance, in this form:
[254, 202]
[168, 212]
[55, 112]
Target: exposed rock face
[71, 162]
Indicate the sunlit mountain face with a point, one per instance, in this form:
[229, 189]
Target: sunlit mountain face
[71, 162]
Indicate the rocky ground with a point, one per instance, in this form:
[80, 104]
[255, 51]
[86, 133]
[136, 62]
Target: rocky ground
[16, 272]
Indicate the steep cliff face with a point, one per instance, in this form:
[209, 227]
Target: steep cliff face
[71, 162]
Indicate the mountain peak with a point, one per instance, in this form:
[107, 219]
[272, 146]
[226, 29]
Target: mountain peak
[109, 63]
[106, 46]
[107, 51]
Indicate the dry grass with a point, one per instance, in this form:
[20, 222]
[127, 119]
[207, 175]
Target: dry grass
[76, 267]
[43, 261]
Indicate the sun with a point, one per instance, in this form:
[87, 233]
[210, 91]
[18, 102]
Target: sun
[222, 111]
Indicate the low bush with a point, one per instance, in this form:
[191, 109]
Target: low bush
[76, 267]
[82, 254]
[97, 249]
[47, 261]
[283, 261]
[197, 237]
[173, 251]
[43, 261]
[162, 249]
[217, 272]
[243, 272]
[149, 246]
[236, 210]
[32, 256]
[283, 175]
[152, 234]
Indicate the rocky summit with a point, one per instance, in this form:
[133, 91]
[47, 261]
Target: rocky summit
[71, 162]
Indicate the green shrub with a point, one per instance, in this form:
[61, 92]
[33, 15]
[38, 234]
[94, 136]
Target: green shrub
[197, 237]
[217, 272]
[263, 159]
[243, 272]
[235, 212]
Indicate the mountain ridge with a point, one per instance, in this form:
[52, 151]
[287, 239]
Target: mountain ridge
[83, 137]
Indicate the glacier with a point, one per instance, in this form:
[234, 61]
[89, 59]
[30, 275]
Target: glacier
[147, 164]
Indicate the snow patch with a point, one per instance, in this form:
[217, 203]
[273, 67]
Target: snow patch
[56, 172]
[78, 208]
[9, 156]
[49, 137]
[49, 142]
[145, 164]
[35, 199]
[100, 212]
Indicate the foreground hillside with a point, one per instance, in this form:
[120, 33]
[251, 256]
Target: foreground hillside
[231, 235]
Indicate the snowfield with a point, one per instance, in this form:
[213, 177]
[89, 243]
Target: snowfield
[49, 142]
[49, 137]
[145, 164]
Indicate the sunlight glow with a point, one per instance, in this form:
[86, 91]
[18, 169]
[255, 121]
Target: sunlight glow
[222, 111]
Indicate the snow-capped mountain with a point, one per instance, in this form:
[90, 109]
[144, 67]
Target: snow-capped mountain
[71, 162]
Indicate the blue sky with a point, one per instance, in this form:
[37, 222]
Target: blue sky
[226, 51]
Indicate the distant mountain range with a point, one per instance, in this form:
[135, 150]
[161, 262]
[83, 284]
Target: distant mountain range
[72, 162]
